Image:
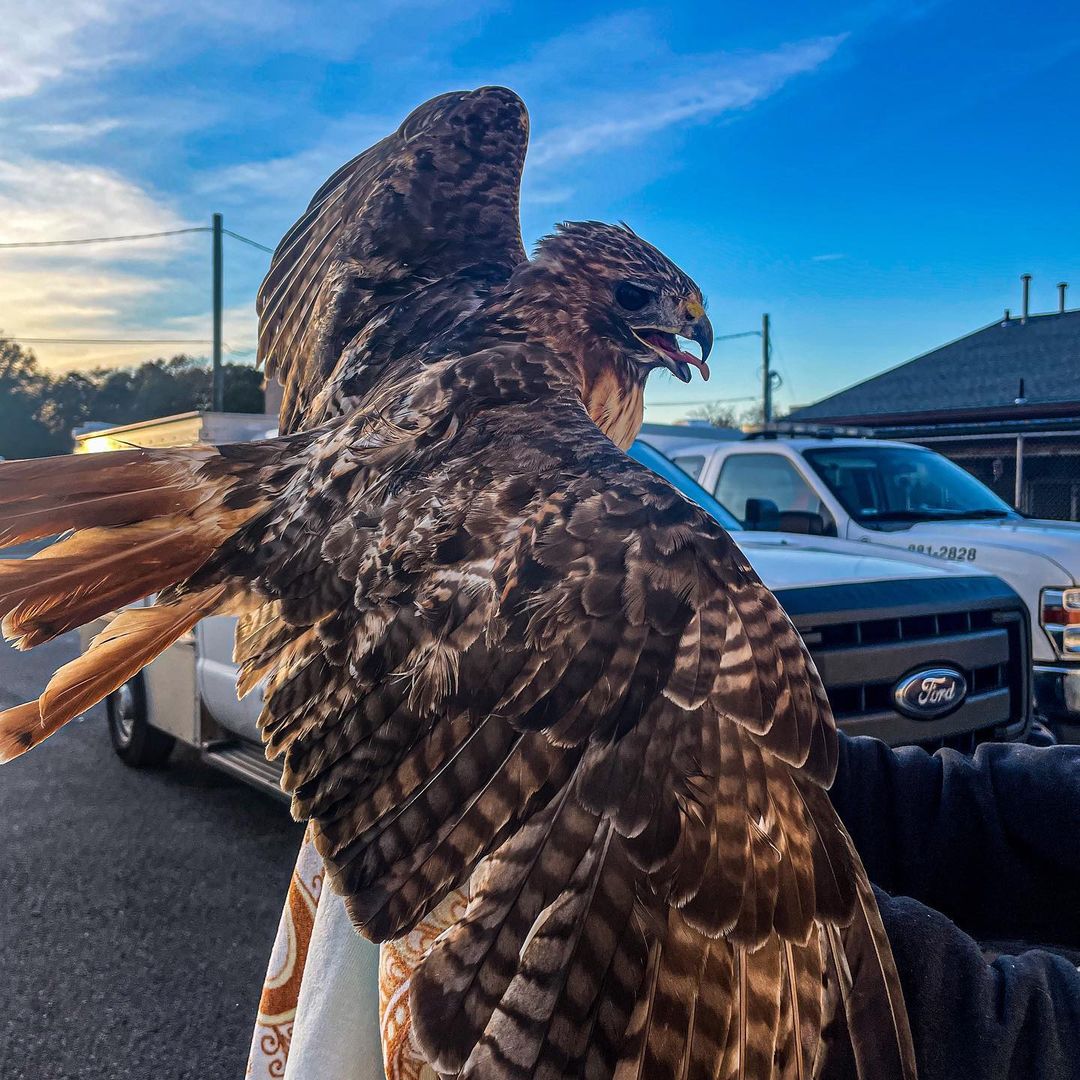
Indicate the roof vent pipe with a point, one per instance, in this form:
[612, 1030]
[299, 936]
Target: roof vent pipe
[1062, 286]
[1026, 279]
[1008, 316]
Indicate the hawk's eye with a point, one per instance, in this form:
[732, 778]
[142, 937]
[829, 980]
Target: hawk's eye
[632, 297]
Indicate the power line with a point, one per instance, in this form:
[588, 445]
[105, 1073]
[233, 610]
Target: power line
[104, 239]
[246, 240]
[104, 341]
[731, 337]
[133, 236]
[699, 401]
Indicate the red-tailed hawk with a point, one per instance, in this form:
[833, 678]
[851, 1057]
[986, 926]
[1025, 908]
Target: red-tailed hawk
[497, 652]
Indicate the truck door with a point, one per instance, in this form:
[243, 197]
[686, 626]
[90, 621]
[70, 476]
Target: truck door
[768, 494]
[216, 674]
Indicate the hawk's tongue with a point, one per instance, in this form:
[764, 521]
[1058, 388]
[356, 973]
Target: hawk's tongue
[694, 361]
[668, 344]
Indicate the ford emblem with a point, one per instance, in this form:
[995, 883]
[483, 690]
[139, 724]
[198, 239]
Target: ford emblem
[930, 693]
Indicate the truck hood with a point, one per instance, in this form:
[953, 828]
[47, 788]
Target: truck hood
[1057, 541]
[785, 561]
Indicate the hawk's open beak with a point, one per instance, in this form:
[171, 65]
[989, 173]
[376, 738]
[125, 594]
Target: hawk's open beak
[666, 346]
[700, 330]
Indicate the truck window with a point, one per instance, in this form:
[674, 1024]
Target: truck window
[691, 464]
[764, 479]
[893, 486]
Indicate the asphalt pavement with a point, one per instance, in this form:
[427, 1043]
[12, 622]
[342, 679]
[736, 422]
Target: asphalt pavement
[139, 907]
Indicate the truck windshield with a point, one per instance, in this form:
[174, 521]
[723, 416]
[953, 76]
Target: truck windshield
[877, 485]
[663, 466]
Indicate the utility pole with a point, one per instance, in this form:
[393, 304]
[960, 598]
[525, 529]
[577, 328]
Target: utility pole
[766, 373]
[1018, 487]
[219, 374]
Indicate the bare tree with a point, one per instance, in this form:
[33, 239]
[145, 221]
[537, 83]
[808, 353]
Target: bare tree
[723, 415]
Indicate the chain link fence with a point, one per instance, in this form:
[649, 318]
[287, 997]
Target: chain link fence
[1037, 473]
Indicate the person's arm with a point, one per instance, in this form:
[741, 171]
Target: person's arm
[991, 841]
[1016, 1018]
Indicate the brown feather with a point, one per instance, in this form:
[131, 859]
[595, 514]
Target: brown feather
[78, 580]
[802, 972]
[144, 521]
[47, 496]
[668, 1034]
[872, 995]
[120, 651]
[124, 647]
[21, 729]
[525, 1037]
[462, 981]
[397, 245]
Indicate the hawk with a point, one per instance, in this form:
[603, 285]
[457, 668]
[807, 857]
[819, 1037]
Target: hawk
[497, 653]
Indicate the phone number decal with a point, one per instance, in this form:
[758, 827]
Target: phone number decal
[943, 551]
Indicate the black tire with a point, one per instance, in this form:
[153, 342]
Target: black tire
[136, 743]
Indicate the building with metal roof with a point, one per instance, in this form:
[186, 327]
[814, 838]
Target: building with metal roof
[1003, 401]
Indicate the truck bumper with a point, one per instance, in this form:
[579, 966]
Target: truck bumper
[1057, 698]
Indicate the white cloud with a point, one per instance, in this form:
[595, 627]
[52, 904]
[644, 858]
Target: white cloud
[587, 57]
[75, 132]
[53, 200]
[278, 176]
[832, 256]
[544, 196]
[42, 42]
[49, 42]
[721, 83]
[83, 291]
[72, 303]
[302, 172]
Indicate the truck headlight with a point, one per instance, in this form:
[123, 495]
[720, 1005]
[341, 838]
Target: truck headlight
[1060, 618]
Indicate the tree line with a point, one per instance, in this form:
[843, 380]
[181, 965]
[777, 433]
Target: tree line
[38, 409]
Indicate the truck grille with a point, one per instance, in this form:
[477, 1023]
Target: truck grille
[866, 637]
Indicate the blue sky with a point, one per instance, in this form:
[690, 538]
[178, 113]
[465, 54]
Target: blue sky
[875, 175]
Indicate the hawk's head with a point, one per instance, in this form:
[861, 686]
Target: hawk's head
[609, 287]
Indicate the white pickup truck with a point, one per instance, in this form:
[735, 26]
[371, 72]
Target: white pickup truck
[910, 650]
[904, 496]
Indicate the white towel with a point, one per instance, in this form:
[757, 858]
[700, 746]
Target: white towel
[336, 1031]
[334, 1006]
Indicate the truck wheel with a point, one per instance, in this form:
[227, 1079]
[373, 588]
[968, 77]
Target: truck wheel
[136, 743]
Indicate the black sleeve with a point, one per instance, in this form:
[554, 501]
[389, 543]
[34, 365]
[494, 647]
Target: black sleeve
[991, 841]
[1017, 1018]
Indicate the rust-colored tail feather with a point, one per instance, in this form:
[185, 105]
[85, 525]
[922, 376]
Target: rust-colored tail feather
[20, 730]
[138, 522]
[46, 496]
[143, 520]
[119, 652]
[92, 573]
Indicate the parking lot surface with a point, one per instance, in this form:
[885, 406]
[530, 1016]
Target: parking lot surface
[139, 907]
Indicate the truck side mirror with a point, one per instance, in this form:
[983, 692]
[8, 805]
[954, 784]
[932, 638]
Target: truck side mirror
[762, 515]
[804, 521]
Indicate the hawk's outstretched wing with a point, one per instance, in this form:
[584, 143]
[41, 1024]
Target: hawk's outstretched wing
[501, 654]
[515, 652]
[394, 248]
